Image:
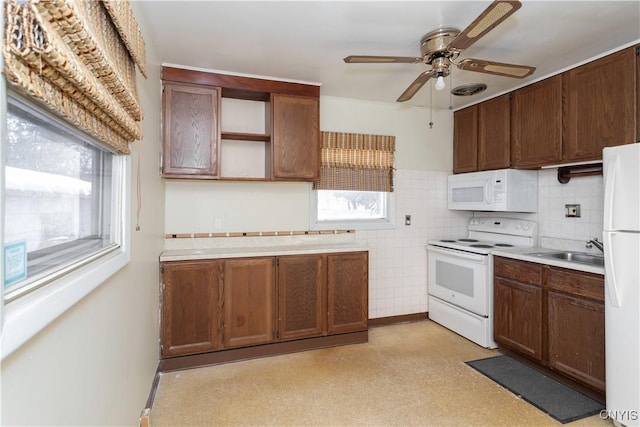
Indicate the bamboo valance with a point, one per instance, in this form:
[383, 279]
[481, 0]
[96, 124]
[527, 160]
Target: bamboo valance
[356, 162]
[78, 57]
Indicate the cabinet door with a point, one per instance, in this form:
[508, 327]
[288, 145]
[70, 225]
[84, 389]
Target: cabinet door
[249, 301]
[191, 132]
[347, 292]
[301, 296]
[600, 106]
[191, 308]
[536, 123]
[518, 317]
[465, 140]
[576, 338]
[295, 137]
[494, 133]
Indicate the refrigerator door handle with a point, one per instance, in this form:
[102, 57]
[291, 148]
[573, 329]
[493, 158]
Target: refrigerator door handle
[610, 280]
[609, 190]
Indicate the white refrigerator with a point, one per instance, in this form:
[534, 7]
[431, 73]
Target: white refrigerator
[621, 239]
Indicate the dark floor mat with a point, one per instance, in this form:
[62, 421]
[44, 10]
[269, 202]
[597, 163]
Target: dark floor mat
[556, 399]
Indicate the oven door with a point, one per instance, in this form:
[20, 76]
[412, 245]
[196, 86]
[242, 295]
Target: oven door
[461, 278]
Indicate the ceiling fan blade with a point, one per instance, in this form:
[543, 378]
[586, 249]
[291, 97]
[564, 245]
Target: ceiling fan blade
[497, 12]
[498, 68]
[416, 86]
[364, 59]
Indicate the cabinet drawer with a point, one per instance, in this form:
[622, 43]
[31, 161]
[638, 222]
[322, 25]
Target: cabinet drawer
[576, 283]
[522, 271]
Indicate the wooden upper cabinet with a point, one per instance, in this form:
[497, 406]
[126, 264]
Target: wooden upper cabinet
[191, 308]
[191, 132]
[301, 296]
[600, 108]
[536, 123]
[249, 301]
[347, 292]
[494, 133]
[295, 137]
[465, 140]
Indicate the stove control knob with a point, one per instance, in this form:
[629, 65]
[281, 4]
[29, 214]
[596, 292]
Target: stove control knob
[518, 226]
[526, 227]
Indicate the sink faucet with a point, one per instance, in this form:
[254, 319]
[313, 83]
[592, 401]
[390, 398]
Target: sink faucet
[596, 243]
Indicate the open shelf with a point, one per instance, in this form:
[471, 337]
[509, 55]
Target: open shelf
[242, 136]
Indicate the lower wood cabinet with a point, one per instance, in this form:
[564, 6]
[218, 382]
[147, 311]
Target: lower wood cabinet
[575, 305]
[191, 308]
[552, 315]
[301, 296]
[212, 305]
[249, 295]
[518, 318]
[347, 277]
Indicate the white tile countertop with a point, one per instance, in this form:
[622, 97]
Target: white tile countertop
[522, 254]
[257, 251]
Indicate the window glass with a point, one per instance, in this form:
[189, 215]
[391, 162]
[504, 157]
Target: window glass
[349, 205]
[354, 210]
[59, 196]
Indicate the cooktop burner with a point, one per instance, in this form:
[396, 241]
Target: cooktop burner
[487, 235]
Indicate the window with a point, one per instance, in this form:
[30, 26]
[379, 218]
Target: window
[362, 210]
[62, 198]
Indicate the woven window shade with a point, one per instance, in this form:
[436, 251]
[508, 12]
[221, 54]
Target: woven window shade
[78, 57]
[356, 162]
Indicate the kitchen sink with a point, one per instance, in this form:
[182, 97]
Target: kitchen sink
[579, 257]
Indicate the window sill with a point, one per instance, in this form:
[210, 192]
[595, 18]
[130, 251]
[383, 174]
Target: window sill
[29, 314]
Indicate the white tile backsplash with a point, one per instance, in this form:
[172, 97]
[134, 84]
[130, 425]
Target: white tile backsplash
[398, 261]
[398, 258]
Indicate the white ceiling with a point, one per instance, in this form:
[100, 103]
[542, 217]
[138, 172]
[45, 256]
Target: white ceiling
[306, 40]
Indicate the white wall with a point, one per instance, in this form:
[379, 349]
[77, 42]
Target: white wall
[94, 365]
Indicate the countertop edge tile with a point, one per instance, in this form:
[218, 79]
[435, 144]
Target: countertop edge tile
[522, 254]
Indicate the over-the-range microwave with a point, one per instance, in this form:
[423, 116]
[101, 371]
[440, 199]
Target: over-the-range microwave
[503, 190]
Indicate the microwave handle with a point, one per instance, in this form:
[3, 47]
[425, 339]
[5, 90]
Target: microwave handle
[487, 198]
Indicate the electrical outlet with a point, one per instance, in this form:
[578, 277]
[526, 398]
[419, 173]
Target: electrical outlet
[407, 220]
[572, 211]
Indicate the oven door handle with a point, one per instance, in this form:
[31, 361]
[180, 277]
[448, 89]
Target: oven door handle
[457, 253]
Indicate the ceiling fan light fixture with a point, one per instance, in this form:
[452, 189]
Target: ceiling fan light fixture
[440, 84]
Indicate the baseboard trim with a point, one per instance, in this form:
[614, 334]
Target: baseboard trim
[404, 318]
[246, 353]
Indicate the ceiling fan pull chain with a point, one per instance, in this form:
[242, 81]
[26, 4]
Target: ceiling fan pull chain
[450, 94]
[430, 106]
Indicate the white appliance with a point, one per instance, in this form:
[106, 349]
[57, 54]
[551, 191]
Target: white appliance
[622, 282]
[503, 190]
[460, 275]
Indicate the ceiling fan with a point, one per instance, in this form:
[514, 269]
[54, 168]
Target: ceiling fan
[441, 47]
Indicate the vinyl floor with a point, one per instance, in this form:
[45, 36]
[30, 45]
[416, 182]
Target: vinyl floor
[409, 374]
